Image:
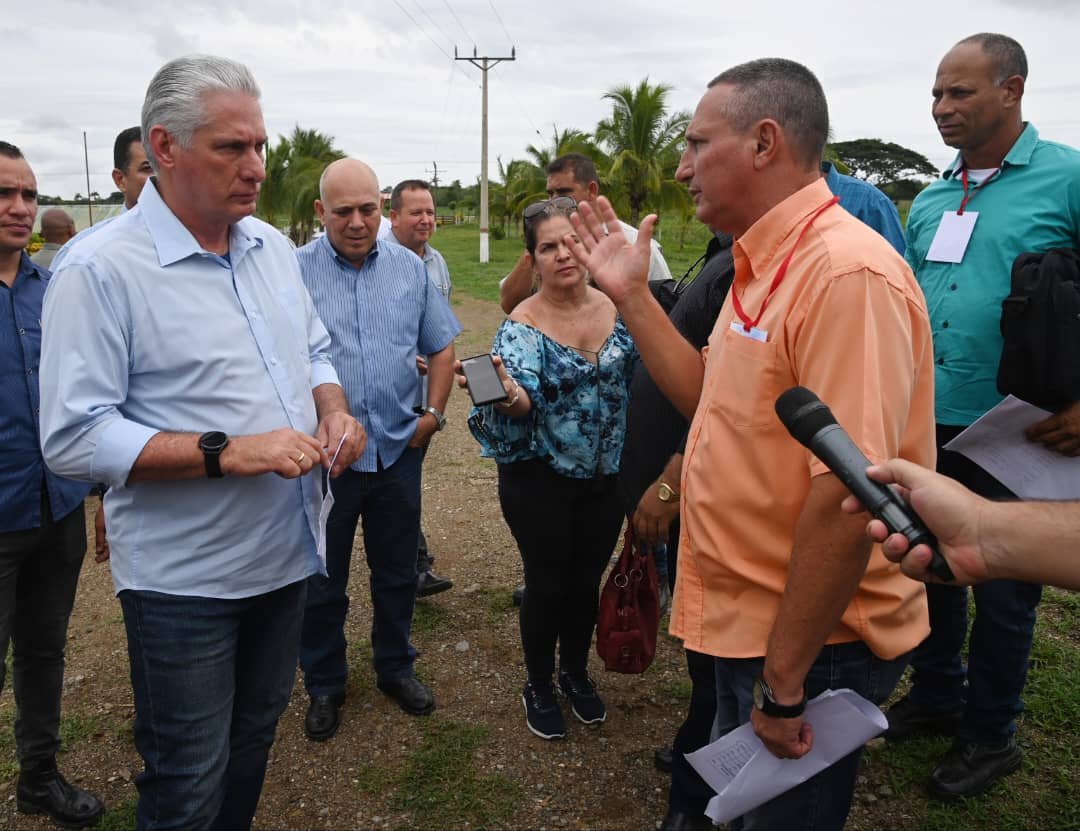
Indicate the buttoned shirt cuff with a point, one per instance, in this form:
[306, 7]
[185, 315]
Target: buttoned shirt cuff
[323, 374]
[117, 449]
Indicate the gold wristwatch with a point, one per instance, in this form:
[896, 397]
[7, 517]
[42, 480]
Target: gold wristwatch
[666, 493]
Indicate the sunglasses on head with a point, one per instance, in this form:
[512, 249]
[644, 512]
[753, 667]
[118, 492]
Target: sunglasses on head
[560, 205]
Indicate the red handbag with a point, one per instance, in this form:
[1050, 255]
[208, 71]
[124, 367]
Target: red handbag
[629, 614]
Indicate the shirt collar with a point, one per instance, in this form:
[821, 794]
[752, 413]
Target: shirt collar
[174, 242]
[28, 268]
[760, 242]
[330, 251]
[1019, 153]
[832, 175]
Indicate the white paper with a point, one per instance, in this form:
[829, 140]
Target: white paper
[997, 444]
[951, 240]
[324, 512]
[745, 774]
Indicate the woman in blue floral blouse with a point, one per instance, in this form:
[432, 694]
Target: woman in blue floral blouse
[566, 360]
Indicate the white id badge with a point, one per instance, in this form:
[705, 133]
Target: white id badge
[753, 333]
[952, 237]
[327, 504]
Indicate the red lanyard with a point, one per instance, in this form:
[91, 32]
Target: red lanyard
[978, 189]
[749, 324]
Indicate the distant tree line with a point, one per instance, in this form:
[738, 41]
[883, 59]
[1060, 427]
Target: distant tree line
[636, 149]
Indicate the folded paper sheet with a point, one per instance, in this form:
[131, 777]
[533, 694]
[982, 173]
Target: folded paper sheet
[744, 774]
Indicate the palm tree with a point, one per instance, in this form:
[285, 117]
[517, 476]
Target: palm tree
[293, 168]
[645, 144]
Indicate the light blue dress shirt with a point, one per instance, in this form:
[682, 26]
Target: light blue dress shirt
[380, 317]
[1032, 204]
[145, 331]
[867, 204]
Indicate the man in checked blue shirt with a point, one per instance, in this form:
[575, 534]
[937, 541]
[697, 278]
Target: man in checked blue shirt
[42, 525]
[184, 366]
[382, 311]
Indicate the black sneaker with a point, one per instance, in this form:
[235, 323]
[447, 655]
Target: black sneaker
[584, 701]
[907, 719]
[542, 712]
[969, 769]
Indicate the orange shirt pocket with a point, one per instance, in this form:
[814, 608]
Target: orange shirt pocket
[748, 380]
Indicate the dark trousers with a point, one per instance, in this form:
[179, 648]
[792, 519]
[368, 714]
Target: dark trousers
[39, 571]
[566, 530]
[822, 802]
[211, 677]
[689, 794]
[424, 558]
[387, 502]
[1001, 634]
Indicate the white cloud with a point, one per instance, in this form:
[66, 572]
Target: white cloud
[366, 74]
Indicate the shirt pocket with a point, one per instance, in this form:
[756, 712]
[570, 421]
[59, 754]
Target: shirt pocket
[748, 380]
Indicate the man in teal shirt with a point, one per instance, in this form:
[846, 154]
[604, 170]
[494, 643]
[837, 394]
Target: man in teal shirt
[1007, 192]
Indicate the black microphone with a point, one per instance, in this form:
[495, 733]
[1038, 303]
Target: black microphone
[813, 425]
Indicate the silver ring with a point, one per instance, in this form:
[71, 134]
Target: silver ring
[300, 458]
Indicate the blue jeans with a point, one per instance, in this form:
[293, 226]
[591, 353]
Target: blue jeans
[823, 801]
[39, 570]
[211, 678]
[388, 502]
[1001, 635]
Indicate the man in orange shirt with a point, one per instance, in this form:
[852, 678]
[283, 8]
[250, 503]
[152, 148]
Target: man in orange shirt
[791, 599]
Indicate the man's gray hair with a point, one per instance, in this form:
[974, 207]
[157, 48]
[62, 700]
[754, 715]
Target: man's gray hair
[174, 98]
[784, 91]
[1006, 54]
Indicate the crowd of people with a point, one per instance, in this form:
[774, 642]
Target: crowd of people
[244, 406]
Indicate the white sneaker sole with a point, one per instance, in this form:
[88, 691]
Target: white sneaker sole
[534, 731]
[578, 716]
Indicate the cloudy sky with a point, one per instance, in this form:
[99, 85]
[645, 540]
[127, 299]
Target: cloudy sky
[378, 75]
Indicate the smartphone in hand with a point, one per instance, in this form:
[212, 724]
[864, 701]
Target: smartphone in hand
[482, 380]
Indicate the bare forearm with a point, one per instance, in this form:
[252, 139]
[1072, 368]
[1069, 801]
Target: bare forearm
[828, 559]
[169, 456]
[329, 398]
[1031, 541]
[440, 377]
[517, 285]
[672, 361]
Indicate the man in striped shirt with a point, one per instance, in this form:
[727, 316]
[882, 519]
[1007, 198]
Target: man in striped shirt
[382, 311]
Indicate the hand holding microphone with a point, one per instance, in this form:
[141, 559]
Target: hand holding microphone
[813, 425]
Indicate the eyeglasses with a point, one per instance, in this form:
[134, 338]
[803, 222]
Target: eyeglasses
[564, 205]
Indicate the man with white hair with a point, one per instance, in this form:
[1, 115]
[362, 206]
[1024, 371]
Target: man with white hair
[198, 387]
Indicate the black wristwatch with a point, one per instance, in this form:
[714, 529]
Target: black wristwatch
[212, 444]
[764, 701]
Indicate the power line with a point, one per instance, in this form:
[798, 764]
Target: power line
[468, 37]
[499, 18]
[438, 28]
[415, 23]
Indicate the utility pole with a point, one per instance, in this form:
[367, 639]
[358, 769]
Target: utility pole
[435, 189]
[86, 161]
[484, 64]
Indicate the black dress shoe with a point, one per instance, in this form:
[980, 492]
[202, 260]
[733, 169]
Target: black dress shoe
[412, 696]
[663, 758]
[678, 821]
[969, 769]
[44, 791]
[907, 719]
[323, 716]
[429, 583]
